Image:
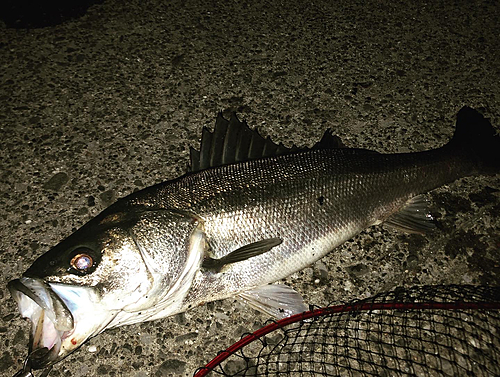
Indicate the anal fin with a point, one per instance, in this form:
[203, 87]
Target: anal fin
[414, 217]
[276, 300]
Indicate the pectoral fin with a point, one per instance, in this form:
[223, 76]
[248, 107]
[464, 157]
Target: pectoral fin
[414, 217]
[276, 300]
[241, 254]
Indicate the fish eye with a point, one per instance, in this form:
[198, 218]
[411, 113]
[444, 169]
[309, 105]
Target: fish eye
[82, 262]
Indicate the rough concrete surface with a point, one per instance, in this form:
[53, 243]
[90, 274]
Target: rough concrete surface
[98, 105]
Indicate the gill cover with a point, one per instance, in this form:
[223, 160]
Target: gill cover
[172, 245]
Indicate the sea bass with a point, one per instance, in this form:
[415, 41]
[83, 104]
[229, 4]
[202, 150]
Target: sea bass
[250, 212]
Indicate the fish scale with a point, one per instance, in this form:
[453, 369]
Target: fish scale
[353, 200]
[249, 213]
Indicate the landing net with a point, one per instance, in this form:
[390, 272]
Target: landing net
[420, 331]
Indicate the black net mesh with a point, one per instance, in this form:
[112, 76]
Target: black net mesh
[422, 331]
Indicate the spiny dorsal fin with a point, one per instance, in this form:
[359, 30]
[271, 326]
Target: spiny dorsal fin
[233, 141]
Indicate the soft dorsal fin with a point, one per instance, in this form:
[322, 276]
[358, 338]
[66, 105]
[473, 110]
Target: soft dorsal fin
[233, 141]
[329, 141]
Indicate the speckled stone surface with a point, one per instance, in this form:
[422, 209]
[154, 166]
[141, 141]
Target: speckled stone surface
[109, 102]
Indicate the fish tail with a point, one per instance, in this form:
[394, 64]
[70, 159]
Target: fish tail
[477, 140]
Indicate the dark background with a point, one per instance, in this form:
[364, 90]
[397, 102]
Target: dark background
[101, 98]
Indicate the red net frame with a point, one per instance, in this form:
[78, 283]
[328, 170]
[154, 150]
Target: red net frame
[427, 330]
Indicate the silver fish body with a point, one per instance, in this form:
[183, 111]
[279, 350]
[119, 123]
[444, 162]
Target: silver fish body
[231, 230]
[314, 201]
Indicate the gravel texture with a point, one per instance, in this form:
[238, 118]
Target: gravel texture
[106, 98]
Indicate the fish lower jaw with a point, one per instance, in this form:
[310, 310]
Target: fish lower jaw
[50, 345]
[46, 341]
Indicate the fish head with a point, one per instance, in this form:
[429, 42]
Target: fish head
[101, 276]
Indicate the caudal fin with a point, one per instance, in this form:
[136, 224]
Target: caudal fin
[476, 138]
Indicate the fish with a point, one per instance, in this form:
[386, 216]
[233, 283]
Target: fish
[248, 213]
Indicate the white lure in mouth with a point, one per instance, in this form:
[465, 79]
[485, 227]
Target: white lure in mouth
[63, 317]
[51, 320]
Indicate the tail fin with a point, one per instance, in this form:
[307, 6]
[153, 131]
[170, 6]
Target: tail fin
[477, 139]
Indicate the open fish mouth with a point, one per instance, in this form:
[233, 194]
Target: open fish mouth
[52, 322]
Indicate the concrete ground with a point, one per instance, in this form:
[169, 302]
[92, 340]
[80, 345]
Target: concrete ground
[108, 100]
